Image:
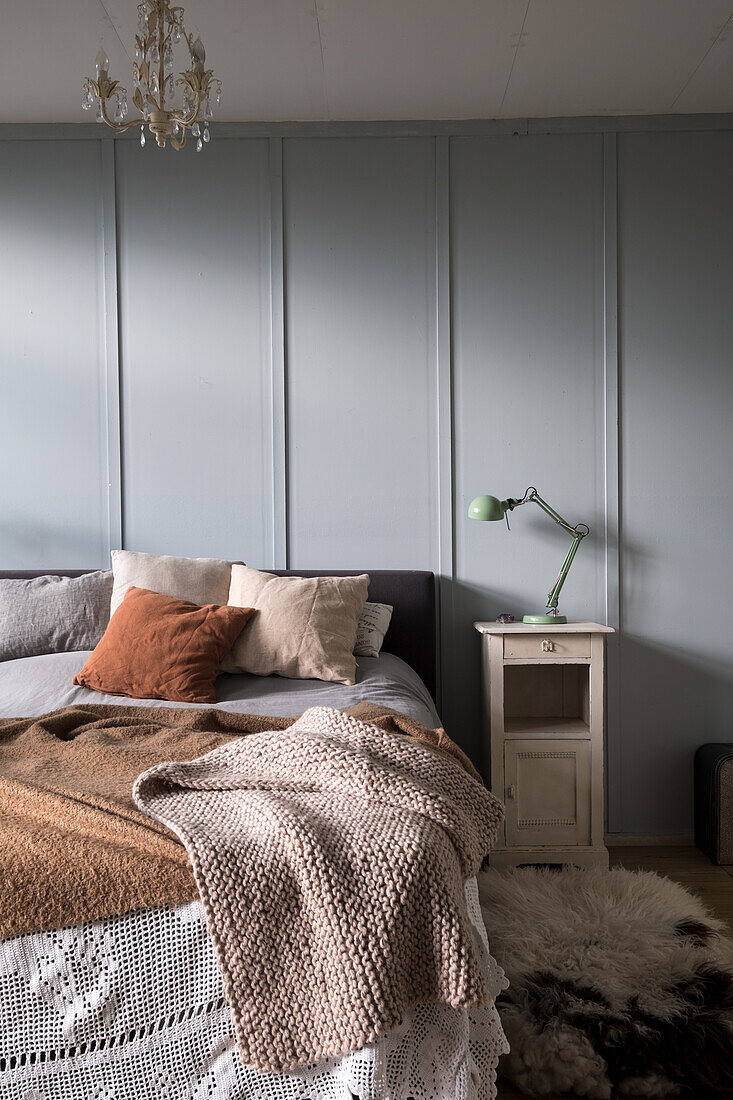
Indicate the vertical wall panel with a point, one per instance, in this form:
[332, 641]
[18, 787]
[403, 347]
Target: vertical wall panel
[53, 506]
[360, 279]
[527, 263]
[194, 264]
[676, 298]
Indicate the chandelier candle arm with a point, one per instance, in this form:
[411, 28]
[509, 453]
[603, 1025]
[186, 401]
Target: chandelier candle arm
[160, 29]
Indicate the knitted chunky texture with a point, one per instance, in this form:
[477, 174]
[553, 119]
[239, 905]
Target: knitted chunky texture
[330, 860]
[73, 846]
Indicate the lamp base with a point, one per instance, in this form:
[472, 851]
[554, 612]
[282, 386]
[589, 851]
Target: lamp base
[545, 620]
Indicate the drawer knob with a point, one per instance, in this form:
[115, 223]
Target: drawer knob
[547, 646]
[511, 792]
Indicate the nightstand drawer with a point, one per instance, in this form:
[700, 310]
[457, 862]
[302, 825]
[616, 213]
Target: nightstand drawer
[541, 646]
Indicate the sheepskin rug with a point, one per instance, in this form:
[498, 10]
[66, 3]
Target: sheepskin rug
[619, 983]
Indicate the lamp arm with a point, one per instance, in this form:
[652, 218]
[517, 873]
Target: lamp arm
[554, 594]
[534, 497]
[578, 533]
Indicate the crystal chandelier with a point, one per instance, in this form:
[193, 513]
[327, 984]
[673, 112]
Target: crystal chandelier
[156, 95]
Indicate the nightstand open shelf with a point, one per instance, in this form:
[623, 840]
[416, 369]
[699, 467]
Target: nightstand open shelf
[543, 709]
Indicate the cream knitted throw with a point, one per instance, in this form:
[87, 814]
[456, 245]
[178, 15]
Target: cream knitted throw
[330, 859]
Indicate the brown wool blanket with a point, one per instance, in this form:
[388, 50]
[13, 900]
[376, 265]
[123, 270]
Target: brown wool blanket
[330, 859]
[73, 845]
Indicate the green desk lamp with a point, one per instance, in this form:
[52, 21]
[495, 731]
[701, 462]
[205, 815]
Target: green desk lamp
[486, 507]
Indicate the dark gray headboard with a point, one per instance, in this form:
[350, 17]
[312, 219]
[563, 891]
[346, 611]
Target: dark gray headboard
[412, 632]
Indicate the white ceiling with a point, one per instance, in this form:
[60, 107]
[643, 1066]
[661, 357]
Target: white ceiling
[393, 59]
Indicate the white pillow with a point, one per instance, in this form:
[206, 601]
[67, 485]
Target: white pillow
[199, 580]
[373, 625]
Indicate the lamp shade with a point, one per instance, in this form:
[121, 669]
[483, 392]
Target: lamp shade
[486, 507]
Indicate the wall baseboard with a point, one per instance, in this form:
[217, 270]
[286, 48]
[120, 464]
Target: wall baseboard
[683, 840]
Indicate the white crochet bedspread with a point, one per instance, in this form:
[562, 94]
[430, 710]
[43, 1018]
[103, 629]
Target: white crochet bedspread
[132, 1008]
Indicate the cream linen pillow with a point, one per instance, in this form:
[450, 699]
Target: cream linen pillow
[197, 580]
[303, 627]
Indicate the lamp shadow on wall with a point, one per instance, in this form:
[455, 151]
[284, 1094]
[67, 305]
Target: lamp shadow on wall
[667, 705]
[461, 661]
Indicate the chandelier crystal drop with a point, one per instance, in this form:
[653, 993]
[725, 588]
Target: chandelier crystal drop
[160, 30]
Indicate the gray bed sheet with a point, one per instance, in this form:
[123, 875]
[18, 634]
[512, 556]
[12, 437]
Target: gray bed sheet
[36, 685]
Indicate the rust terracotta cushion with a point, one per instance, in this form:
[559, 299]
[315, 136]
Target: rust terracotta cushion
[158, 647]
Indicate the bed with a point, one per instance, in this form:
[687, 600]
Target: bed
[133, 1006]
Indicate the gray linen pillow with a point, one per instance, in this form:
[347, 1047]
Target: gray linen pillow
[53, 614]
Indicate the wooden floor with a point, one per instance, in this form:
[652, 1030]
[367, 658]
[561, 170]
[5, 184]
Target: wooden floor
[691, 869]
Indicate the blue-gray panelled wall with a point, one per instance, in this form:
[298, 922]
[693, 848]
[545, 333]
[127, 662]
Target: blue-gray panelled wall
[312, 346]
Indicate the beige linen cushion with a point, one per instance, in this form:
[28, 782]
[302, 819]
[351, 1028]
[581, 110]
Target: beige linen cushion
[303, 627]
[197, 580]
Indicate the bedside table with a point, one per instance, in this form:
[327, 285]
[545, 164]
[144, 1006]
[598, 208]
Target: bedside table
[543, 692]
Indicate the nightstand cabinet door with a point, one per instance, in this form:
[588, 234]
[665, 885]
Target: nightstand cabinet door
[548, 792]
